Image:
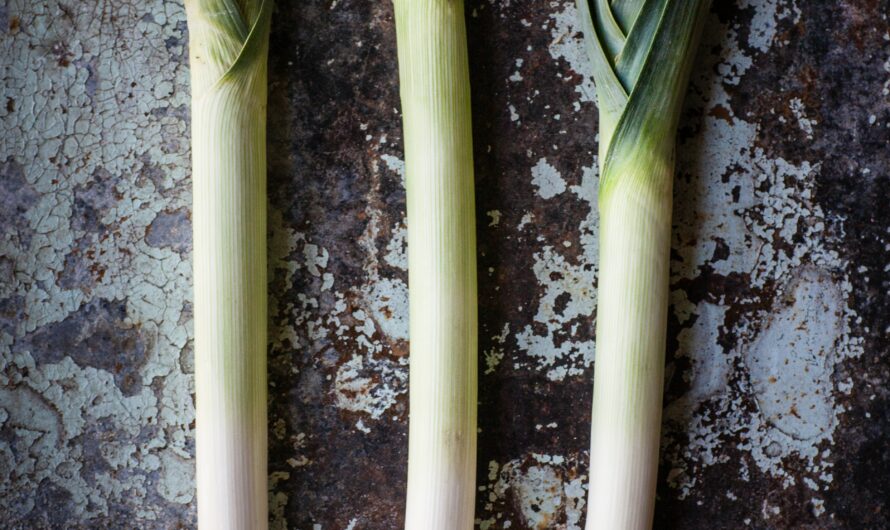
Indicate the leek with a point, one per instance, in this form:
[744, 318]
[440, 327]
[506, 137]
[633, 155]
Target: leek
[642, 52]
[435, 94]
[228, 47]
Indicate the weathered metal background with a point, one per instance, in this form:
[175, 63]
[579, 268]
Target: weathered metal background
[776, 413]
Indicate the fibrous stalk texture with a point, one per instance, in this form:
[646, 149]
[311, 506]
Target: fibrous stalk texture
[228, 51]
[642, 52]
[435, 93]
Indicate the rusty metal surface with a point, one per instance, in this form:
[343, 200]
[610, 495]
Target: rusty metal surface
[776, 395]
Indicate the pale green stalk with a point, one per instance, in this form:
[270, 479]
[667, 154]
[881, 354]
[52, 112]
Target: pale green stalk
[642, 52]
[228, 48]
[435, 90]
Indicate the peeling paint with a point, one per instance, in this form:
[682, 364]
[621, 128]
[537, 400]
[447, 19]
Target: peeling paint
[546, 489]
[85, 132]
[547, 179]
[788, 351]
[568, 45]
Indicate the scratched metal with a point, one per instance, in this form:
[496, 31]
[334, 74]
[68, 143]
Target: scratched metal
[777, 400]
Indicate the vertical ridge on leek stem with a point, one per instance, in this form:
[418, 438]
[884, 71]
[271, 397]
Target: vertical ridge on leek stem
[642, 52]
[228, 46]
[435, 93]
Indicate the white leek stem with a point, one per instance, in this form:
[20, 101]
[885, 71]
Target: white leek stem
[629, 370]
[642, 52]
[228, 49]
[435, 90]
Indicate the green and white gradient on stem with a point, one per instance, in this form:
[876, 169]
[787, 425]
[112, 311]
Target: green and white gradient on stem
[435, 93]
[642, 52]
[228, 51]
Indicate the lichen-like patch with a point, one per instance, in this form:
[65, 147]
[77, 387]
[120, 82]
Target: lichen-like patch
[546, 491]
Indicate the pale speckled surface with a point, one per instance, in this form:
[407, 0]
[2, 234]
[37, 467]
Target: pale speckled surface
[776, 404]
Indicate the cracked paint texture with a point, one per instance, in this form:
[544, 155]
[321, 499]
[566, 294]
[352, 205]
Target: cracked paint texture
[777, 375]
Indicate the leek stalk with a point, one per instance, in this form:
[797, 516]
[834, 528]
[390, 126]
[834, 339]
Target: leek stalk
[642, 52]
[228, 47]
[435, 94]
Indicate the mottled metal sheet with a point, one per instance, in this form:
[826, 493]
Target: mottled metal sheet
[777, 402]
